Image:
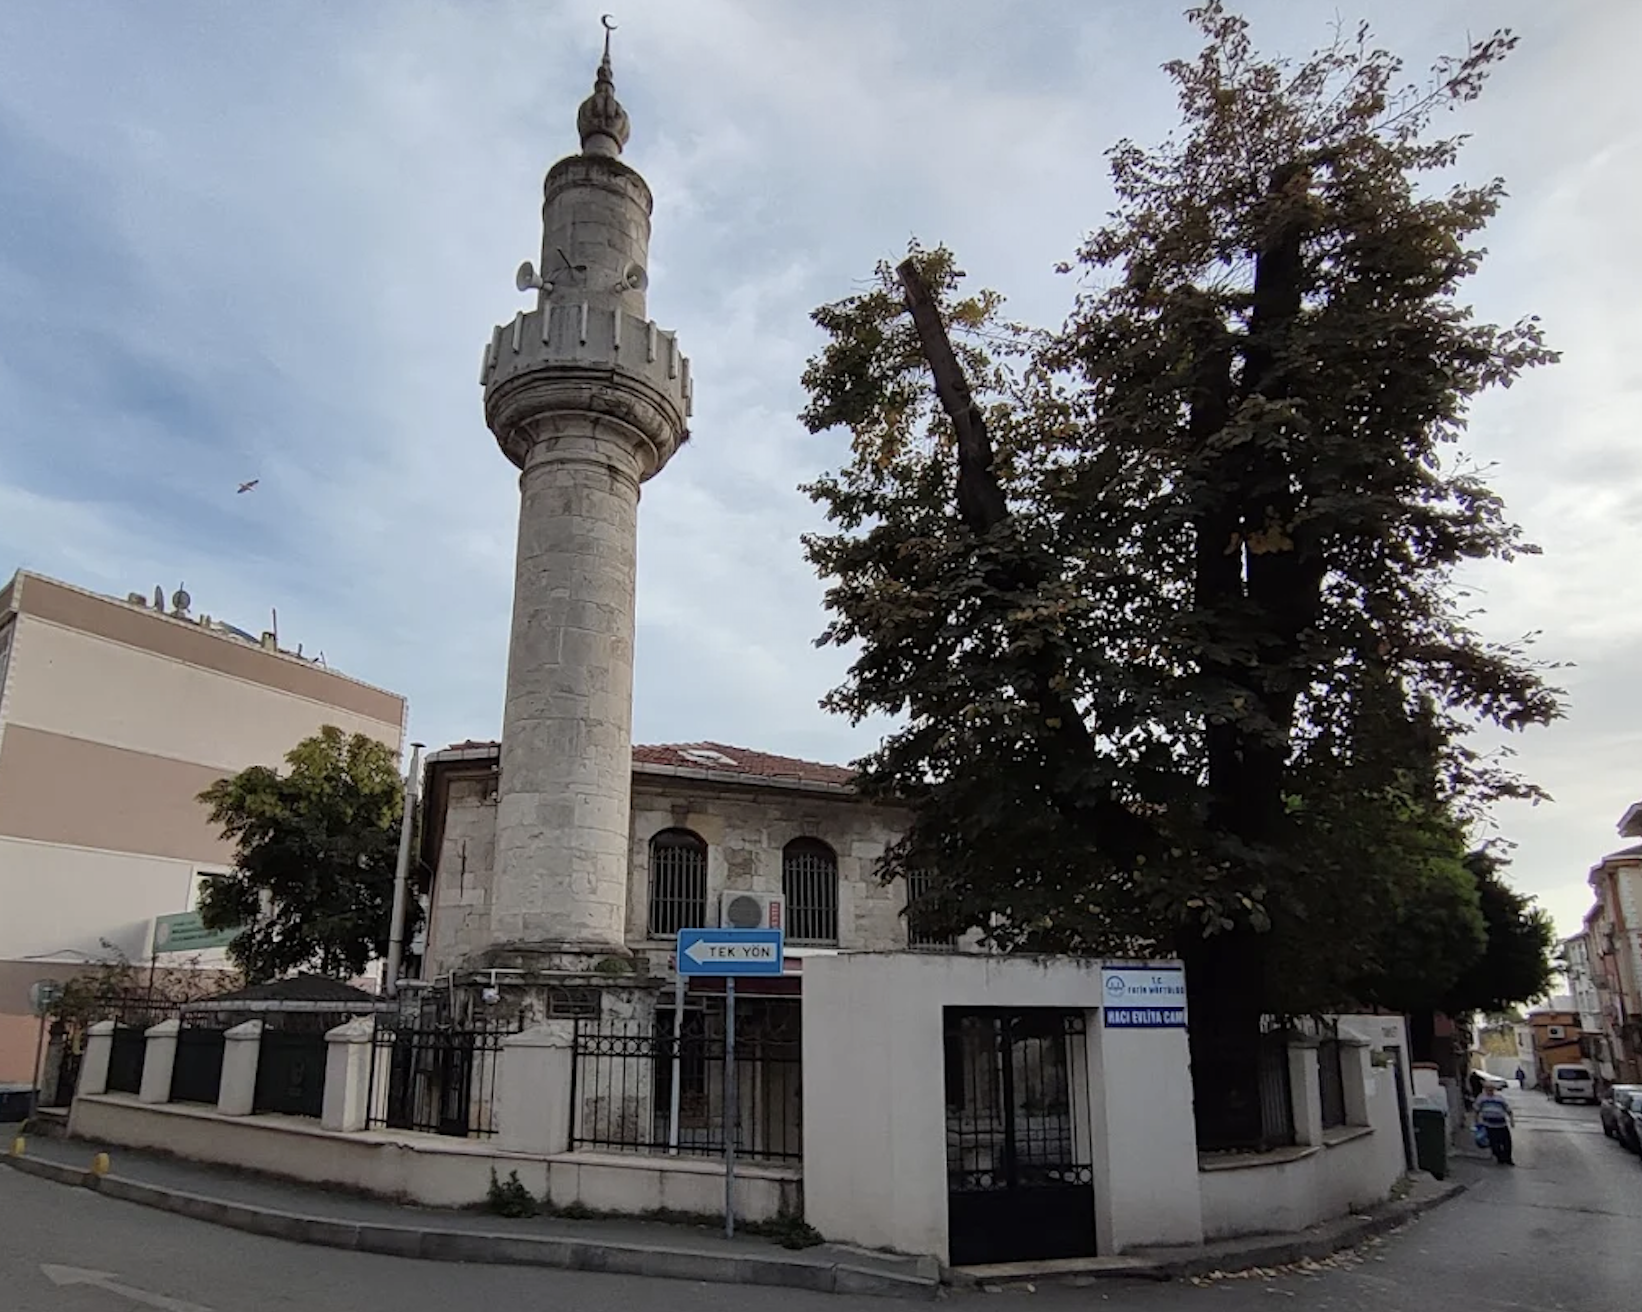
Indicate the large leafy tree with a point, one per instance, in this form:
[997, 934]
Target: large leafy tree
[1515, 965]
[1166, 599]
[316, 846]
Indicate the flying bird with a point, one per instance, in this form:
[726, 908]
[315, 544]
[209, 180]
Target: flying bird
[246, 487]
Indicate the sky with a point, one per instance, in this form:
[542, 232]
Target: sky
[270, 242]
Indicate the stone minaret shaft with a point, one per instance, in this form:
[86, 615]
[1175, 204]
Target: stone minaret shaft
[588, 398]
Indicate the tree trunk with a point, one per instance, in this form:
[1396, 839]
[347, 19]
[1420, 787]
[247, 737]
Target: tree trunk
[1252, 579]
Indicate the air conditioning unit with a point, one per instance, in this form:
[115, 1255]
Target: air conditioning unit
[739, 909]
[1556, 1031]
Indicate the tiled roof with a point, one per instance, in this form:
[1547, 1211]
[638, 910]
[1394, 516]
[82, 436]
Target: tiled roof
[718, 757]
[741, 760]
[299, 988]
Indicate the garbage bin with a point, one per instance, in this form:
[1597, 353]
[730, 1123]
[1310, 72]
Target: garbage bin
[1431, 1141]
[16, 1102]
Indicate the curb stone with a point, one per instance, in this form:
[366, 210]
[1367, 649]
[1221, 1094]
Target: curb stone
[561, 1252]
[1286, 1250]
[1227, 1255]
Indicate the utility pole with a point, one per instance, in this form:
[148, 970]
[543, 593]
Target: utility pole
[401, 874]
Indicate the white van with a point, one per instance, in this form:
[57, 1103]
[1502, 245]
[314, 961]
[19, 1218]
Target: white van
[1572, 1083]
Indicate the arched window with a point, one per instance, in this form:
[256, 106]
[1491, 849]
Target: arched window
[809, 880]
[678, 882]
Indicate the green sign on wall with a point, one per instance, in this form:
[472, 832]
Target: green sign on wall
[185, 932]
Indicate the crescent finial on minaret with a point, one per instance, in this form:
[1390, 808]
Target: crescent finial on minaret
[602, 122]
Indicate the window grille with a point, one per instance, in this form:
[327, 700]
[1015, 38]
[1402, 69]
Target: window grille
[678, 882]
[918, 935]
[809, 880]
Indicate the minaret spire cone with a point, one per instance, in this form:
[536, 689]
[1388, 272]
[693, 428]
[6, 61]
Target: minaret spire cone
[601, 121]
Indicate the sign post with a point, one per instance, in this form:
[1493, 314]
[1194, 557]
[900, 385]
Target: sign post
[44, 994]
[727, 953]
[678, 1062]
[729, 1107]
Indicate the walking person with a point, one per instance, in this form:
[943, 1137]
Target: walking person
[1522, 1078]
[1495, 1116]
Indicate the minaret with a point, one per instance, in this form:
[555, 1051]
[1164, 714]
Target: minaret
[589, 399]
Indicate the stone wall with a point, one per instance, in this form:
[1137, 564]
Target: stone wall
[745, 830]
[459, 911]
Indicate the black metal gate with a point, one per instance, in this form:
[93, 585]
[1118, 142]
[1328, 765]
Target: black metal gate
[430, 1080]
[126, 1053]
[196, 1074]
[290, 1073]
[1020, 1178]
[436, 1079]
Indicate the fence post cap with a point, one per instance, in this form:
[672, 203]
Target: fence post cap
[164, 1030]
[100, 1027]
[251, 1029]
[543, 1034]
[358, 1030]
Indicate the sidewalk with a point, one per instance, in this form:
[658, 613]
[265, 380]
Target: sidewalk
[1250, 1252]
[313, 1215]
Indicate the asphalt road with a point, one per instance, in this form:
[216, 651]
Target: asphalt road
[1562, 1230]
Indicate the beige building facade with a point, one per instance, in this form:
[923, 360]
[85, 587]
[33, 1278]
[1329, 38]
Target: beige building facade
[706, 818]
[113, 717]
[1613, 932]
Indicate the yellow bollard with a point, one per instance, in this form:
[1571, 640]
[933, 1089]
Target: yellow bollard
[17, 1146]
[99, 1164]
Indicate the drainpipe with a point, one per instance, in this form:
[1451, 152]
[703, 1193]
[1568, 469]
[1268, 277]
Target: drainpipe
[401, 874]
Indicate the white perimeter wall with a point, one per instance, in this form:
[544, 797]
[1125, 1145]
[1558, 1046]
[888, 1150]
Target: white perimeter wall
[1266, 1196]
[875, 1168]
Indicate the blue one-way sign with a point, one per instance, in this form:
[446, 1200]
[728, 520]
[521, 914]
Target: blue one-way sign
[729, 951]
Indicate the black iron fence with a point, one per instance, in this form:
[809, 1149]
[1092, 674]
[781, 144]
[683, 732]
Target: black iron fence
[68, 1067]
[1241, 1091]
[437, 1079]
[1331, 1083]
[196, 1075]
[125, 1059]
[290, 1073]
[1276, 1091]
[638, 1089]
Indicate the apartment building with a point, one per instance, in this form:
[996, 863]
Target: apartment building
[114, 715]
[1614, 933]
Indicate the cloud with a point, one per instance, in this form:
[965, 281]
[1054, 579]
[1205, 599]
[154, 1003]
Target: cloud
[271, 242]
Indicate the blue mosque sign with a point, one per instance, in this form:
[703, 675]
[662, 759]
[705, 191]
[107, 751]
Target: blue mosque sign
[1143, 997]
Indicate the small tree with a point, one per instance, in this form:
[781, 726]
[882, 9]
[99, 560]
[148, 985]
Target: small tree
[312, 884]
[115, 984]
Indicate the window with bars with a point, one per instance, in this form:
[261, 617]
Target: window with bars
[809, 881]
[678, 882]
[919, 935]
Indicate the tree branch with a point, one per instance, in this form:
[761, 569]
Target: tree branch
[981, 500]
